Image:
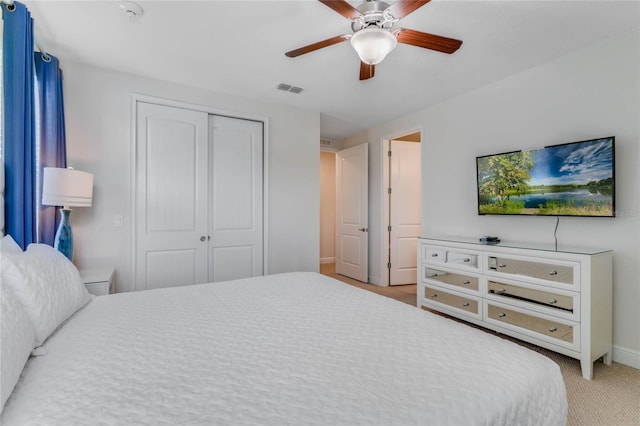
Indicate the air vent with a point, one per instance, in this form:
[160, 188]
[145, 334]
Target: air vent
[326, 142]
[289, 88]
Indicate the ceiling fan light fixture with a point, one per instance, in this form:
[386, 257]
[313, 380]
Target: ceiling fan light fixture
[373, 44]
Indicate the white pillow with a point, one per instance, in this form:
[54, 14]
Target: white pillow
[17, 337]
[9, 245]
[47, 284]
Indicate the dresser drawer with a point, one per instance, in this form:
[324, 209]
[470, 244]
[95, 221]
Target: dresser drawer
[434, 254]
[550, 272]
[461, 258]
[546, 328]
[456, 258]
[460, 302]
[530, 295]
[451, 278]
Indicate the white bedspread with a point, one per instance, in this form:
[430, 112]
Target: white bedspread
[289, 349]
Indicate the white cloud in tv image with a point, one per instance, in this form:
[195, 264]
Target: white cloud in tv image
[576, 163]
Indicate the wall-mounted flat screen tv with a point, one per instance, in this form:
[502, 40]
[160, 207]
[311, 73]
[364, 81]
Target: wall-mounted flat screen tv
[571, 179]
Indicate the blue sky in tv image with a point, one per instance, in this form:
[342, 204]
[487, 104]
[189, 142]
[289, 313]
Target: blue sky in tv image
[573, 164]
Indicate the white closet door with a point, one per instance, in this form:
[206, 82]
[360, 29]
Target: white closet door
[171, 197]
[236, 205]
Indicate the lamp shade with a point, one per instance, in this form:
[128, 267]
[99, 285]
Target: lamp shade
[373, 44]
[67, 187]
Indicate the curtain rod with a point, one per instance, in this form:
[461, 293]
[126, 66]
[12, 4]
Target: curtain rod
[44, 54]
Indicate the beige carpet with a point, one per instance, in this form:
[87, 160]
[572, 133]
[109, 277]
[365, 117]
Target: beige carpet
[612, 398]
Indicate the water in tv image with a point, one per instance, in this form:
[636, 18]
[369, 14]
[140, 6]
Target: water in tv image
[575, 179]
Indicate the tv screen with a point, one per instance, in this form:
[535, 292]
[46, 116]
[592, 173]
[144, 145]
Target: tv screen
[572, 179]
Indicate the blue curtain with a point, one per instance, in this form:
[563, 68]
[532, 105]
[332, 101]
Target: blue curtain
[19, 124]
[50, 134]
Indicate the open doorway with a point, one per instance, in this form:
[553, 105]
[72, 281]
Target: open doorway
[350, 182]
[401, 207]
[398, 211]
[327, 208]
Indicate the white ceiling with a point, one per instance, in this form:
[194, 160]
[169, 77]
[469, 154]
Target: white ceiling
[238, 47]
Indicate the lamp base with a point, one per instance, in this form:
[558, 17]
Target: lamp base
[64, 237]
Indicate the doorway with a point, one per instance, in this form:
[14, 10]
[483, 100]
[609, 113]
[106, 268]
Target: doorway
[327, 208]
[406, 210]
[344, 182]
[352, 212]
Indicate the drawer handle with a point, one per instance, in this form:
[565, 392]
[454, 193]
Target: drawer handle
[553, 273]
[466, 282]
[502, 315]
[553, 329]
[465, 304]
[434, 295]
[502, 290]
[553, 301]
[502, 265]
[466, 260]
[434, 254]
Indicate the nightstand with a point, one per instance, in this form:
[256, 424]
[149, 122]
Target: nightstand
[98, 281]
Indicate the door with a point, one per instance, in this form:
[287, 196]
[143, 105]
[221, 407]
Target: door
[198, 197]
[170, 197]
[236, 206]
[352, 216]
[404, 214]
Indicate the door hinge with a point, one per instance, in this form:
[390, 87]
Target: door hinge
[389, 265]
[389, 228]
[389, 153]
[388, 190]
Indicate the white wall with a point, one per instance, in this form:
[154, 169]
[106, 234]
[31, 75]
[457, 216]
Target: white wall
[590, 93]
[98, 124]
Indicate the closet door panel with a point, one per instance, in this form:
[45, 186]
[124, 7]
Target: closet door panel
[171, 196]
[172, 147]
[236, 205]
[234, 180]
[170, 268]
[230, 263]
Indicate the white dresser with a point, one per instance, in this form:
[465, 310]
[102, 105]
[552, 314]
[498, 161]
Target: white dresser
[557, 299]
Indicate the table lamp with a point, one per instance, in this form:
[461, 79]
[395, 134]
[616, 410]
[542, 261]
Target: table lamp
[66, 188]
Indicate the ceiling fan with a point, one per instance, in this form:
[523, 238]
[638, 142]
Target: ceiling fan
[374, 35]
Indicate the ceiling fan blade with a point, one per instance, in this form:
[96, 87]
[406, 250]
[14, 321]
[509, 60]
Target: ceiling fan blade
[343, 8]
[402, 8]
[367, 71]
[319, 45]
[428, 41]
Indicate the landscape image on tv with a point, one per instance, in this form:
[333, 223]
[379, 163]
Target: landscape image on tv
[574, 179]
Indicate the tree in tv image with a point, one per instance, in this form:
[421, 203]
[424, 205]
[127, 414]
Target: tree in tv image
[574, 179]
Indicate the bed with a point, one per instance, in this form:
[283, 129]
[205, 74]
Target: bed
[285, 349]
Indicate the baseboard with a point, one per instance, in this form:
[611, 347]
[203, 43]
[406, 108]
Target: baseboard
[626, 356]
[324, 260]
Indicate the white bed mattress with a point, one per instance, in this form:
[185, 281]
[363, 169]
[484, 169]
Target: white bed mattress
[289, 349]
